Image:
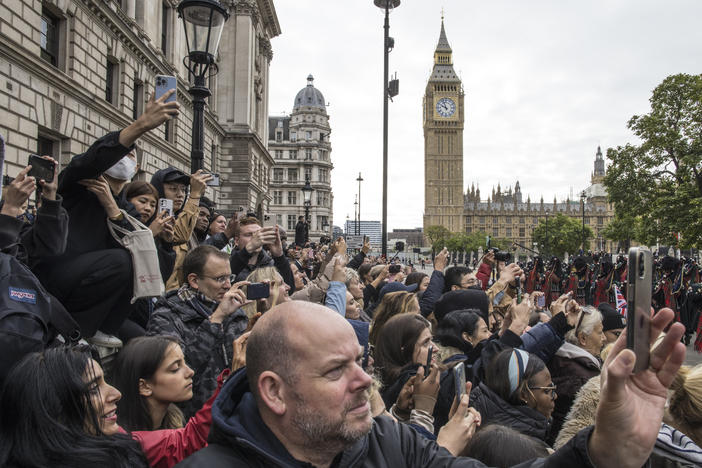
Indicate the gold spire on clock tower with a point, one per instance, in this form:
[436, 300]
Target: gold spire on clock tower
[443, 117]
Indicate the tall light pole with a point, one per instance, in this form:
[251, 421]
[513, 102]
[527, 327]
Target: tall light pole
[355, 215]
[203, 21]
[359, 179]
[582, 203]
[307, 196]
[388, 44]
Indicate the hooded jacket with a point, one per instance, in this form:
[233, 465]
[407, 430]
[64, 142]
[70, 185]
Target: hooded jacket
[239, 437]
[674, 449]
[494, 410]
[207, 346]
[570, 368]
[186, 218]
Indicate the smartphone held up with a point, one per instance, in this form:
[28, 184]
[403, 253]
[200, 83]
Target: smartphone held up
[638, 320]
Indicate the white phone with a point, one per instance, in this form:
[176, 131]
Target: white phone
[165, 204]
[165, 83]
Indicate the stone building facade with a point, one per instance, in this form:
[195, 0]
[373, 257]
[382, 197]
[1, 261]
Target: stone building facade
[505, 214]
[74, 70]
[301, 150]
[443, 118]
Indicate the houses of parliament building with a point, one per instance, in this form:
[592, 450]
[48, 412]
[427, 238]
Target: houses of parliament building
[507, 215]
[504, 213]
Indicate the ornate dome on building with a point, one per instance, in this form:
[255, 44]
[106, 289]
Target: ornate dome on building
[309, 96]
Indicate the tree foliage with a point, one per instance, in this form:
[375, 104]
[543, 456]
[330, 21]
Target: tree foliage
[559, 234]
[658, 184]
[437, 236]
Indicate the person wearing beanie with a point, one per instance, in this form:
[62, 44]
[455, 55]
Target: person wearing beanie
[613, 323]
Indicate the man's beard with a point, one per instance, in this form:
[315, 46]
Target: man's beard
[322, 433]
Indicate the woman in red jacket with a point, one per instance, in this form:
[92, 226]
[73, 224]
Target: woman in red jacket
[58, 410]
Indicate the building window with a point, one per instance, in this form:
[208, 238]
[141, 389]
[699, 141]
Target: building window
[495, 232]
[323, 175]
[508, 219]
[137, 99]
[308, 135]
[278, 154]
[320, 199]
[521, 232]
[509, 232]
[600, 220]
[277, 197]
[308, 173]
[277, 175]
[165, 29]
[292, 198]
[467, 219]
[49, 37]
[469, 230]
[169, 130]
[322, 155]
[112, 81]
[291, 222]
[293, 136]
[292, 175]
[495, 220]
[308, 154]
[293, 154]
[278, 136]
[482, 220]
[536, 220]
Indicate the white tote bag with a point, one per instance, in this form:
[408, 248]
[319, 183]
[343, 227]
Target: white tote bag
[141, 245]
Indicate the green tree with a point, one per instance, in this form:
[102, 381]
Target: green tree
[622, 229]
[559, 234]
[437, 236]
[659, 182]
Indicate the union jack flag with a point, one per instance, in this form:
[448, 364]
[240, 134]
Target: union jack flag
[621, 301]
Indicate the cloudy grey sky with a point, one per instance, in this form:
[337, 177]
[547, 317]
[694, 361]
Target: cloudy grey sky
[546, 81]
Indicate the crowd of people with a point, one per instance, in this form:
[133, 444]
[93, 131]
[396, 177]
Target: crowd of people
[212, 341]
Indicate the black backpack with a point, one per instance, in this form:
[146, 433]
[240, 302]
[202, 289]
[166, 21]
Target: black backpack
[30, 318]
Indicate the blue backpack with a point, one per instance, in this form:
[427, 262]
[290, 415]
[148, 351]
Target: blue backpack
[30, 318]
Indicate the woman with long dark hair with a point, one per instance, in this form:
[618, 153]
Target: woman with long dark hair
[152, 376]
[57, 410]
[459, 334]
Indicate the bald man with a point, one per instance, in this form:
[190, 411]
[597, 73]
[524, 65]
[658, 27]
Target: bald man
[304, 400]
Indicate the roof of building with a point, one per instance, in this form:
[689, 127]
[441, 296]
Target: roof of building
[309, 96]
[561, 207]
[443, 45]
[274, 123]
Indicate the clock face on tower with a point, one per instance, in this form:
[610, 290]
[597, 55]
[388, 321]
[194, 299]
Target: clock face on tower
[445, 107]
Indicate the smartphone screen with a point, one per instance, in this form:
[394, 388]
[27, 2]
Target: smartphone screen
[214, 181]
[165, 83]
[41, 168]
[165, 204]
[638, 320]
[258, 291]
[459, 379]
[541, 301]
[427, 367]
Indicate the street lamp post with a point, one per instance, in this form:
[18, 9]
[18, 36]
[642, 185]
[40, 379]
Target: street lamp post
[307, 196]
[358, 228]
[203, 21]
[582, 203]
[388, 44]
[356, 215]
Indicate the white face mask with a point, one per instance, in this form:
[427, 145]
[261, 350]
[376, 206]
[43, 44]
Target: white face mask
[123, 169]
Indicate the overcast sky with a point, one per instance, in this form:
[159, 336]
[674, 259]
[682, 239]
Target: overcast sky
[545, 81]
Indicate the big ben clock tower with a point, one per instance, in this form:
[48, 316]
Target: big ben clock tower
[443, 142]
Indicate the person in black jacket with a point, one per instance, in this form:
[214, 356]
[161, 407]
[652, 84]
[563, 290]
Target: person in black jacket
[47, 236]
[303, 399]
[301, 230]
[93, 278]
[250, 254]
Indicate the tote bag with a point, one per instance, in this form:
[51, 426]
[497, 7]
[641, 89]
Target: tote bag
[141, 246]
